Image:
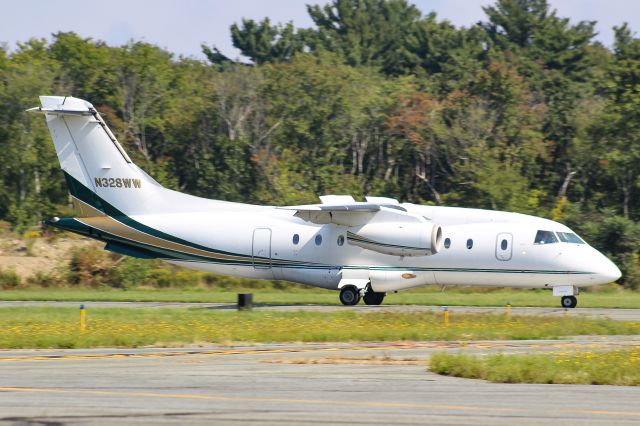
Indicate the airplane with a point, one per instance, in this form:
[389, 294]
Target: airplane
[363, 249]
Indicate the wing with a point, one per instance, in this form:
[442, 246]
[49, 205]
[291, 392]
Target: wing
[344, 210]
[383, 226]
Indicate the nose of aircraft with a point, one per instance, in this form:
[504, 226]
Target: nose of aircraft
[606, 270]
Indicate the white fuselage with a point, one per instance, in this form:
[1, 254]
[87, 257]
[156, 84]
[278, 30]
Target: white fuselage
[269, 232]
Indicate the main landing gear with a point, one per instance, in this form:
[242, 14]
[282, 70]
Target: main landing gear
[373, 298]
[569, 301]
[350, 295]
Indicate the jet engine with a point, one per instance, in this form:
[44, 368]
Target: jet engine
[398, 238]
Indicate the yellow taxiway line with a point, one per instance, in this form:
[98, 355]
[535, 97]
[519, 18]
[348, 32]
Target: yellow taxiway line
[452, 407]
[443, 345]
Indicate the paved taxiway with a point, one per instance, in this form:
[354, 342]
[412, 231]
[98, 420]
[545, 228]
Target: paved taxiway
[360, 383]
[616, 314]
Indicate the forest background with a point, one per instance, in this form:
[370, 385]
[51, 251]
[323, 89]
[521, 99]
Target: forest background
[524, 112]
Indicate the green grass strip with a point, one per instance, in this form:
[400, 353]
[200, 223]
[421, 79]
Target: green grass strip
[301, 295]
[47, 327]
[619, 367]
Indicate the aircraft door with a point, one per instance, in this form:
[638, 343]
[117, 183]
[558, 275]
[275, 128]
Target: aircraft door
[504, 241]
[261, 248]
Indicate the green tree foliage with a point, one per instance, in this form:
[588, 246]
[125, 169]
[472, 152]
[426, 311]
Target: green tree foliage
[31, 180]
[264, 42]
[367, 32]
[86, 68]
[523, 111]
[619, 130]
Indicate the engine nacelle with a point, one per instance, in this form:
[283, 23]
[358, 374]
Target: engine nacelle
[398, 238]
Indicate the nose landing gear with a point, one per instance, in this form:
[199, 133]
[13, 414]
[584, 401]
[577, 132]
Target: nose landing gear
[568, 293]
[569, 301]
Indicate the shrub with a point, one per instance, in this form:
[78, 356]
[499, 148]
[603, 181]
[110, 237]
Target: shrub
[90, 267]
[45, 280]
[131, 272]
[9, 279]
[631, 269]
[94, 267]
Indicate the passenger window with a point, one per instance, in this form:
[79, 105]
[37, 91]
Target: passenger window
[569, 237]
[469, 243]
[447, 243]
[296, 239]
[318, 239]
[504, 244]
[545, 237]
[341, 240]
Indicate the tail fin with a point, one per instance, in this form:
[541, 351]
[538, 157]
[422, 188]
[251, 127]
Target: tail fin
[101, 177]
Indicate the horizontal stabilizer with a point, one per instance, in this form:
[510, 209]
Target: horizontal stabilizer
[61, 111]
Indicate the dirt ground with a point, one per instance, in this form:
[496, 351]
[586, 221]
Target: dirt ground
[28, 255]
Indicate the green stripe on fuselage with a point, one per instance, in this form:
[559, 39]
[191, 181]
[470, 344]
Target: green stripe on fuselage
[86, 195]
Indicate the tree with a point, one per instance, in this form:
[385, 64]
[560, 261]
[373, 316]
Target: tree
[263, 42]
[145, 76]
[412, 127]
[87, 68]
[450, 56]
[32, 184]
[618, 133]
[554, 58]
[531, 29]
[367, 32]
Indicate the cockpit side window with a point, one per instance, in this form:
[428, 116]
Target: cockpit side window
[570, 237]
[545, 237]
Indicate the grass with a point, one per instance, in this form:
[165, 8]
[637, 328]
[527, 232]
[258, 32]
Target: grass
[302, 295]
[46, 327]
[619, 367]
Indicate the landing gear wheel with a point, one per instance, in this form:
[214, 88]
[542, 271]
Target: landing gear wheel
[349, 295]
[569, 302]
[373, 298]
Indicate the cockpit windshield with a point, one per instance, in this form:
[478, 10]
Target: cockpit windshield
[549, 237]
[570, 237]
[545, 237]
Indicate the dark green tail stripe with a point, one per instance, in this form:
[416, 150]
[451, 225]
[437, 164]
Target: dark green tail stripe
[84, 194]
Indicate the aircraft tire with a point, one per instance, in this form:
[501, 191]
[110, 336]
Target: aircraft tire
[349, 295]
[569, 302]
[373, 298]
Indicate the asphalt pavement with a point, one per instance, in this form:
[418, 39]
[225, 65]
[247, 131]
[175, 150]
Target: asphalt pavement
[328, 383]
[345, 383]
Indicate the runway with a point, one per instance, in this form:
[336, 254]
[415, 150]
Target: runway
[616, 314]
[357, 383]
